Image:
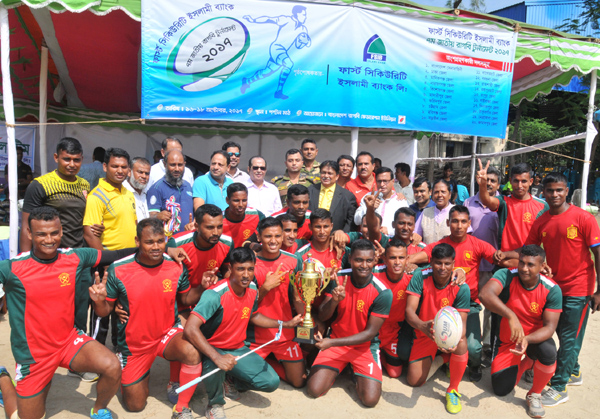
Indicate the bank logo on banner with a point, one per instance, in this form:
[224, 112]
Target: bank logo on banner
[374, 50]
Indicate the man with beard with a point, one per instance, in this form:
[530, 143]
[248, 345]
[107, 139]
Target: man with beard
[298, 200]
[170, 199]
[211, 188]
[234, 151]
[157, 171]
[137, 182]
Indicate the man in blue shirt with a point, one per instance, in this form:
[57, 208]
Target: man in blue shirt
[211, 188]
[92, 172]
[170, 198]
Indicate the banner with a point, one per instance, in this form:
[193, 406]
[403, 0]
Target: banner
[314, 63]
[25, 138]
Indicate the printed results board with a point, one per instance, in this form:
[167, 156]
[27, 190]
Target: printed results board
[311, 63]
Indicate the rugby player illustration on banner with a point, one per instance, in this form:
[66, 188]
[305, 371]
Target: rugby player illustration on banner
[292, 34]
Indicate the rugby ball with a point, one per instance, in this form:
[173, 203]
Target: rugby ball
[208, 54]
[447, 328]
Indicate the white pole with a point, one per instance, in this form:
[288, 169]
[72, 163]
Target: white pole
[413, 163]
[354, 145]
[43, 116]
[9, 113]
[473, 158]
[589, 139]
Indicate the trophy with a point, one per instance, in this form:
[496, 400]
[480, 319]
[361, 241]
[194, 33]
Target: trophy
[309, 284]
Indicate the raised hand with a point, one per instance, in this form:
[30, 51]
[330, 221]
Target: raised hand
[339, 292]
[481, 175]
[274, 279]
[98, 289]
[190, 226]
[371, 201]
[338, 240]
[209, 278]
[379, 250]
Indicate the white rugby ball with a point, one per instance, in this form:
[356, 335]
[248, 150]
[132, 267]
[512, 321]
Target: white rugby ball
[447, 328]
[208, 54]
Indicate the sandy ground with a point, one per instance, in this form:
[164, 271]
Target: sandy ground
[71, 398]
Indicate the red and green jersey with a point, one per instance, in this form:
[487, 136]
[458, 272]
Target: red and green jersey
[433, 299]
[293, 248]
[202, 260]
[304, 231]
[327, 257]
[516, 217]
[353, 312]
[528, 304]
[225, 315]
[391, 326]
[240, 231]
[567, 239]
[148, 294]
[41, 297]
[384, 241]
[278, 302]
[469, 255]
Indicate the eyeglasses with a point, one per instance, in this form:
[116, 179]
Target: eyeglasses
[384, 181]
[233, 154]
[263, 168]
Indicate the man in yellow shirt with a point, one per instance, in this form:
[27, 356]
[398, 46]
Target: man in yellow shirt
[113, 205]
[338, 201]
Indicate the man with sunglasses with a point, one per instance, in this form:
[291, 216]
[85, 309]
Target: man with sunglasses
[234, 150]
[262, 195]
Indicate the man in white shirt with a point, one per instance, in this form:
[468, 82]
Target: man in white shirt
[234, 150]
[403, 184]
[137, 183]
[263, 196]
[387, 202]
[157, 171]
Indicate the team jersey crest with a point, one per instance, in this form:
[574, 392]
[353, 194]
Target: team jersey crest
[445, 302]
[572, 232]
[246, 313]
[167, 285]
[64, 279]
[527, 217]
[360, 305]
[534, 308]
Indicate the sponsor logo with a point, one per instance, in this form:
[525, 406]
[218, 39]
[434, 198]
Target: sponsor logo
[400, 295]
[212, 264]
[77, 341]
[64, 279]
[534, 308]
[246, 233]
[167, 285]
[246, 313]
[402, 119]
[572, 232]
[374, 50]
[360, 305]
[445, 302]
[527, 217]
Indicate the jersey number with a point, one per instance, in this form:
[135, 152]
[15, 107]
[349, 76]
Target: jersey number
[295, 351]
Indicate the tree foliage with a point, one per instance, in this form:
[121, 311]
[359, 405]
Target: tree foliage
[474, 5]
[590, 15]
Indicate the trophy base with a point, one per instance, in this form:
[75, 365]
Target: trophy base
[306, 335]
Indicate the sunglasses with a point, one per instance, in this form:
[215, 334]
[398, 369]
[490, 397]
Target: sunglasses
[233, 154]
[263, 168]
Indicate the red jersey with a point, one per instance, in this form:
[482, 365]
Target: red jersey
[384, 241]
[567, 239]
[202, 260]
[40, 295]
[469, 255]
[148, 294]
[292, 249]
[516, 217]
[390, 328]
[304, 228]
[278, 302]
[327, 257]
[225, 315]
[433, 299]
[360, 189]
[353, 312]
[240, 231]
[528, 304]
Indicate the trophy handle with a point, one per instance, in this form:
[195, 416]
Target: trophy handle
[326, 279]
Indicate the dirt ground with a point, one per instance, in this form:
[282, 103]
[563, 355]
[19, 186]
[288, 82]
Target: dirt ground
[71, 398]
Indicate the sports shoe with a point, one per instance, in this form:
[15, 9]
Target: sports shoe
[534, 406]
[551, 397]
[171, 392]
[215, 412]
[475, 374]
[101, 414]
[88, 377]
[453, 402]
[229, 389]
[528, 376]
[186, 413]
[575, 380]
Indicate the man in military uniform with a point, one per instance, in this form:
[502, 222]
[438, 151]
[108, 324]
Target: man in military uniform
[294, 174]
[309, 154]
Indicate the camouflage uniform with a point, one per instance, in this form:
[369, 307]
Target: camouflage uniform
[284, 182]
[314, 173]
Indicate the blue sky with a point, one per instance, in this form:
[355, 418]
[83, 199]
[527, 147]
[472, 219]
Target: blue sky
[490, 5]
